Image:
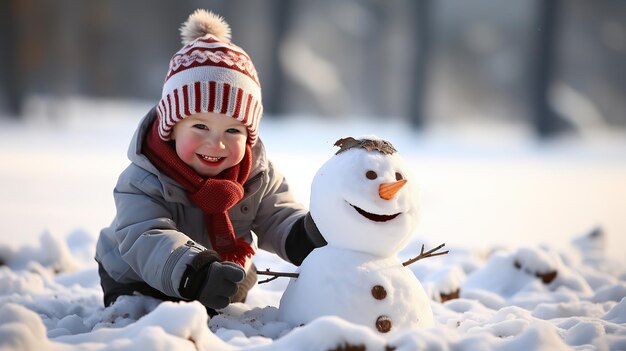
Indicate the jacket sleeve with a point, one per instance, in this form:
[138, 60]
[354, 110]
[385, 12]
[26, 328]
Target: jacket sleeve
[277, 213]
[147, 236]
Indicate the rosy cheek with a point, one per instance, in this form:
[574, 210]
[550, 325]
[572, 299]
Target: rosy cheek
[239, 148]
[186, 148]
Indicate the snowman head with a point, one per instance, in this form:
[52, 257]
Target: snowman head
[362, 199]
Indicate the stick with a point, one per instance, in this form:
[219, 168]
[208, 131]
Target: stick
[429, 253]
[422, 255]
[275, 275]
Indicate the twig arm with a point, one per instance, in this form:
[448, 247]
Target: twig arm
[429, 253]
[422, 255]
[275, 275]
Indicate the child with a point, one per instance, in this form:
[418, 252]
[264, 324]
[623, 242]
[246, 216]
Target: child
[200, 196]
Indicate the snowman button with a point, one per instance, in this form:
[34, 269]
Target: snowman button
[383, 324]
[379, 292]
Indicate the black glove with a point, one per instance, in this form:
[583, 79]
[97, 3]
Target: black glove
[302, 239]
[211, 281]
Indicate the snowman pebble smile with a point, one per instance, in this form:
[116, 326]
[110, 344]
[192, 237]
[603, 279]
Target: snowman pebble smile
[372, 216]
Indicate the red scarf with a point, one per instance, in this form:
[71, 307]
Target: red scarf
[214, 196]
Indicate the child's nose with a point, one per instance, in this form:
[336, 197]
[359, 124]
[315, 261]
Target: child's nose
[215, 140]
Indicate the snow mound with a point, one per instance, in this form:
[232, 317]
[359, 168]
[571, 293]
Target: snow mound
[527, 272]
[51, 253]
[171, 326]
[617, 314]
[21, 329]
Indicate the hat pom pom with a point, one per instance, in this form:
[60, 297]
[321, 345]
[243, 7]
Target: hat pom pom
[201, 23]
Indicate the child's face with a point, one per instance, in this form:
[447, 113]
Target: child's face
[210, 142]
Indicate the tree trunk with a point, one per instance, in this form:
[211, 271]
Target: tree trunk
[10, 68]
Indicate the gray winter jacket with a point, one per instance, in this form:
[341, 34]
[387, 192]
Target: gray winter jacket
[157, 231]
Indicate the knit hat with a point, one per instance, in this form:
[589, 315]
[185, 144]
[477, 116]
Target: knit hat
[210, 74]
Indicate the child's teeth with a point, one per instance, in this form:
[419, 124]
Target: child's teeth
[211, 159]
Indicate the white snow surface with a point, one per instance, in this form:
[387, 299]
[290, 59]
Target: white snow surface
[518, 218]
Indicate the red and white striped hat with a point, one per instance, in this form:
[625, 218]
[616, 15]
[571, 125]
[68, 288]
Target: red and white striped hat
[210, 74]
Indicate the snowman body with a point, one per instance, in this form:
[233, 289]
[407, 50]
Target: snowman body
[363, 203]
[358, 287]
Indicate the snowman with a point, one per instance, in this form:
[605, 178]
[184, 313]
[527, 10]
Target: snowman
[362, 202]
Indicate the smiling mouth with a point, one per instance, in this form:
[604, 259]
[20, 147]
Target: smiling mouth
[210, 159]
[374, 217]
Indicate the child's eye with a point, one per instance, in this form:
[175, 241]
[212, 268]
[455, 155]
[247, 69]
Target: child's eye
[233, 130]
[200, 126]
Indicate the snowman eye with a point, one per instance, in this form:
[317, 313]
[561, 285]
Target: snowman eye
[399, 176]
[371, 175]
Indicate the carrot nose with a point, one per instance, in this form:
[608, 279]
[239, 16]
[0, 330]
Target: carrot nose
[388, 190]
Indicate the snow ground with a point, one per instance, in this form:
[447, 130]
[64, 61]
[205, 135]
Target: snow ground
[510, 210]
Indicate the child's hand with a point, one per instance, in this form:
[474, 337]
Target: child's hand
[211, 281]
[303, 238]
[221, 284]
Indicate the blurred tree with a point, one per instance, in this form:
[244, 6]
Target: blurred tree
[11, 81]
[274, 88]
[418, 71]
[547, 122]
